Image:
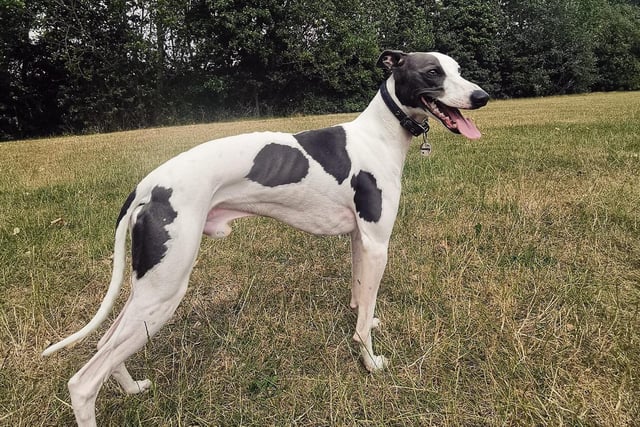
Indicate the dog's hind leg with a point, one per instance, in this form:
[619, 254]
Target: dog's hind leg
[146, 313]
[120, 372]
[153, 300]
[151, 304]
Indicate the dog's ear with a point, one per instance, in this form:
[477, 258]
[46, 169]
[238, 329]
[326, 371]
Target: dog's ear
[390, 59]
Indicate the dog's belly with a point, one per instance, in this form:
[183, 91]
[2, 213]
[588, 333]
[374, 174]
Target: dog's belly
[316, 218]
[331, 221]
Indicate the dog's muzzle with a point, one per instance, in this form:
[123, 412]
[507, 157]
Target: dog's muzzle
[452, 118]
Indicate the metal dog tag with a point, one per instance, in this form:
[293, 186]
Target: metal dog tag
[425, 149]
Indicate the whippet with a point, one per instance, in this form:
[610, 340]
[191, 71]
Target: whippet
[337, 180]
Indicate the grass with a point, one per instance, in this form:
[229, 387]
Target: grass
[512, 294]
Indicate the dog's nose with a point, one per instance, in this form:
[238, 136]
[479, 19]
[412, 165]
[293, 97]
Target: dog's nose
[479, 98]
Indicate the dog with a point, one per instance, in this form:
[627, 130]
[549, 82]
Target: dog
[343, 179]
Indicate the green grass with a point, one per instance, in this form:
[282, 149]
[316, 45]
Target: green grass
[512, 294]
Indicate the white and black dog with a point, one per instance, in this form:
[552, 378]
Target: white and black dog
[338, 180]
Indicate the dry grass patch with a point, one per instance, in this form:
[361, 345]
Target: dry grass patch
[512, 294]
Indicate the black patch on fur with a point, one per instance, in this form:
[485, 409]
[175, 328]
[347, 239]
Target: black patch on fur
[329, 148]
[149, 235]
[419, 74]
[278, 164]
[126, 206]
[367, 196]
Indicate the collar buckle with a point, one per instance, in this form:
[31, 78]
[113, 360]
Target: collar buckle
[413, 127]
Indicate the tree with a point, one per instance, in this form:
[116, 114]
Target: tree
[468, 31]
[617, 49]
[82, 66]
[27, 69]
[272, 56]
[109, 79]
[546, 47]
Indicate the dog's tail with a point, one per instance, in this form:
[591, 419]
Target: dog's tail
[117, 278]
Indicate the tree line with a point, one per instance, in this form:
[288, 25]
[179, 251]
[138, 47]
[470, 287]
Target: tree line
[78, 66]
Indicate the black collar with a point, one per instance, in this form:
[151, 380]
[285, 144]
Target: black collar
[415, 128]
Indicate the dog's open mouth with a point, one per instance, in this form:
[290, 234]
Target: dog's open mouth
[451, 118]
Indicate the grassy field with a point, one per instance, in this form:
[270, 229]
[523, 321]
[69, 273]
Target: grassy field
[512, 294]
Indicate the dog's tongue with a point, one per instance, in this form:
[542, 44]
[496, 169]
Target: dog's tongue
[465, 126]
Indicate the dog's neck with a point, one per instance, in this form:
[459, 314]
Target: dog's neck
[379, 119]
[414, 127]
[381, 131]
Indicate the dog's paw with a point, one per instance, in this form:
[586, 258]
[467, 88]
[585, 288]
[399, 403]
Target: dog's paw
[139, 387]
[376, 363]
[144, 385]
[376, 323]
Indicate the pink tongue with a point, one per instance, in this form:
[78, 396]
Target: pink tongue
[465, 126]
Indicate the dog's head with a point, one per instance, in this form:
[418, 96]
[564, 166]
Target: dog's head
[432, 82]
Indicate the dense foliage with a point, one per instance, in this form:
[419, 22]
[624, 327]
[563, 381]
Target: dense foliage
[85, 66]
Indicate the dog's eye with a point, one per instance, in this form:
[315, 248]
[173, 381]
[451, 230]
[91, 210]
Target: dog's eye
[432, 73]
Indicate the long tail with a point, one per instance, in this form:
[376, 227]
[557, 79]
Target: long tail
[117, 278]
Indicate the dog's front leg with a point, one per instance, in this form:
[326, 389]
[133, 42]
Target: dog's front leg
[369, 259]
